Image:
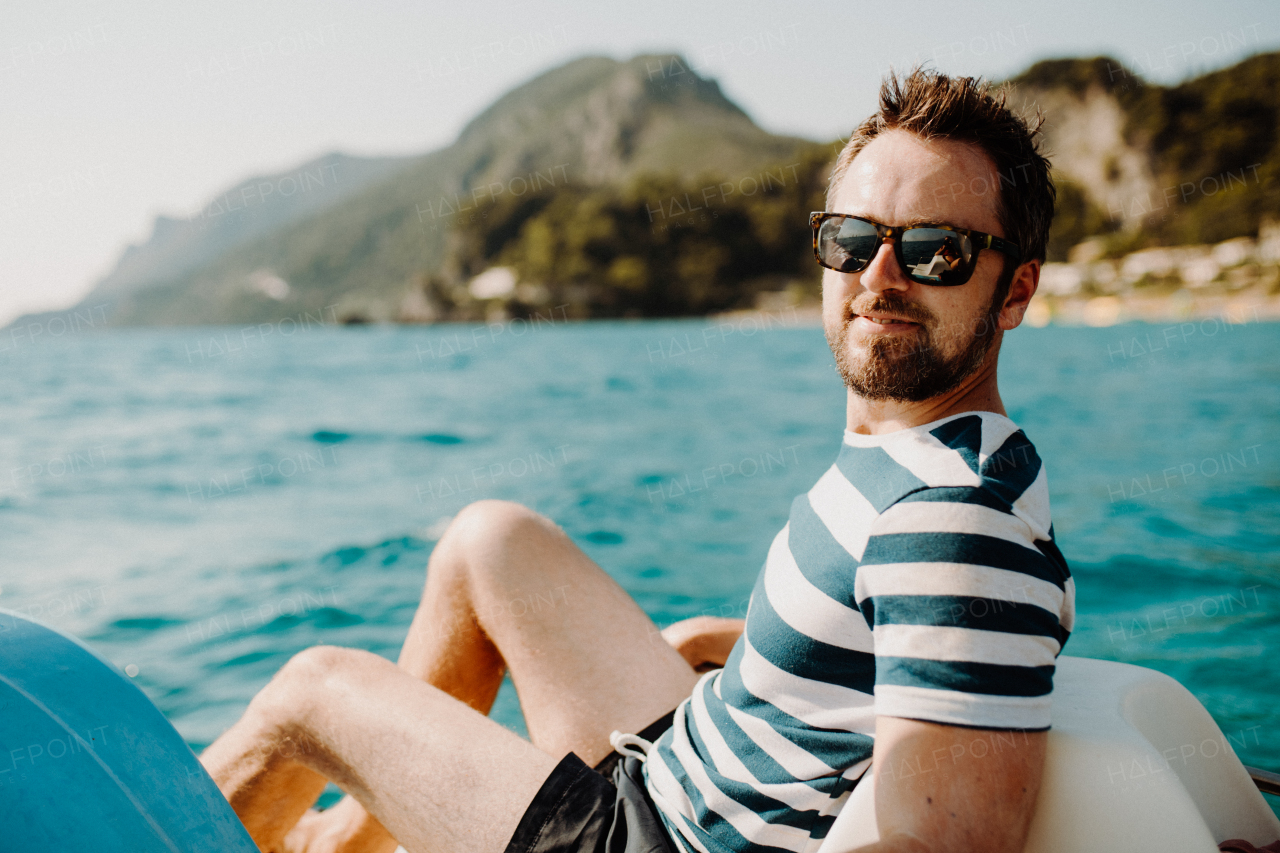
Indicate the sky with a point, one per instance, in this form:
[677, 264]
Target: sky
[113, 113]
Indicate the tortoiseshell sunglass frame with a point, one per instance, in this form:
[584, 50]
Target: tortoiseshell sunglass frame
[978, 239]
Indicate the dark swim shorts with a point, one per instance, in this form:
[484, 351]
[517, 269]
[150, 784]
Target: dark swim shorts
[579, 809]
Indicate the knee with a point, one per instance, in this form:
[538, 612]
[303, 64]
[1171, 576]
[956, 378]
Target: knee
[501, 519]
[298, 685]
[487, 528]
[313, 665]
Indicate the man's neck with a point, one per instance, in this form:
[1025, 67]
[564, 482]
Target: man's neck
[977, 393]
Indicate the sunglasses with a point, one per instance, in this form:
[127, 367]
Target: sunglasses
[939, 255]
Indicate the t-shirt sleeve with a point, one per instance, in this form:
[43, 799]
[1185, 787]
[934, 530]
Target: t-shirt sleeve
[967, 611]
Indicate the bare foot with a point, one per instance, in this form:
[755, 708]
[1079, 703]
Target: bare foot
[344, 828]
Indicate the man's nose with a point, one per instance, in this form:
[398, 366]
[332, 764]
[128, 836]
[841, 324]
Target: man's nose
[883, 273]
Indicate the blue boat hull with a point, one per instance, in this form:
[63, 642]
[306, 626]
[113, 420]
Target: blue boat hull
[87, 762]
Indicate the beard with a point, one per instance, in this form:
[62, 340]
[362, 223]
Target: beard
[909, 368]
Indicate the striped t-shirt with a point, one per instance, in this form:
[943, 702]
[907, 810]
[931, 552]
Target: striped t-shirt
[918, 578]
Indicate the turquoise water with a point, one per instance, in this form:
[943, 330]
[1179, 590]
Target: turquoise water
[202, 503]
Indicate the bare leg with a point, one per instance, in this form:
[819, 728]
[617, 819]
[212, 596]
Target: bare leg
[506, 588]
[436, 773]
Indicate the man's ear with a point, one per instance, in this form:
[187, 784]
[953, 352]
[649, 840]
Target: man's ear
[1026, 278]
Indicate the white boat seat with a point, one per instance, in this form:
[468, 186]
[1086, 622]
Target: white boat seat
[1134, 762]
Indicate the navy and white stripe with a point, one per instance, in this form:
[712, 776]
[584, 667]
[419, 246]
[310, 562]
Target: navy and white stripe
[918, 578]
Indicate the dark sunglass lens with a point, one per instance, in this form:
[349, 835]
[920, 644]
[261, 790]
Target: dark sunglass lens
[846, 244]
[937, 256]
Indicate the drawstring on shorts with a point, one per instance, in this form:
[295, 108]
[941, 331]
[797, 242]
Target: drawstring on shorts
[626, 744]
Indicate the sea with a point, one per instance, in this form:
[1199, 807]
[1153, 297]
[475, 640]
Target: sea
[199, 504]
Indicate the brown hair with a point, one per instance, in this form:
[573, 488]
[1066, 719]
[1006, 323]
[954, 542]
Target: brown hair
[964, 109]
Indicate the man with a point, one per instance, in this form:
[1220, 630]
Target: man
[915, 595]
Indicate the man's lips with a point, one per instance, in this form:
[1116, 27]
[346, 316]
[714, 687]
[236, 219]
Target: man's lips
[877, 317]
[876, 323]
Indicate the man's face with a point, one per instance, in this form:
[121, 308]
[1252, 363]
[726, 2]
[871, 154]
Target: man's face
[893, 338]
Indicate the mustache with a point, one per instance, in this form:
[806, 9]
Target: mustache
[892, 304]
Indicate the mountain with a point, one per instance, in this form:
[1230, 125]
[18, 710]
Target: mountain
[242, 213]
[593, 122]
[1158, 165]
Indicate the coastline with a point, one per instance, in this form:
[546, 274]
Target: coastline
[1095, 311]
[1181, 307]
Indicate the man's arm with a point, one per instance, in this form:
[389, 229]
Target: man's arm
[954, 789]
[938, 787]
[969, 605]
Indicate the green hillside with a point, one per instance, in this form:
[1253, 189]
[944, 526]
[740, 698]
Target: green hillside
[658, 247]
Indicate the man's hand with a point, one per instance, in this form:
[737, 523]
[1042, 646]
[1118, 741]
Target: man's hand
[704, 641]
[947, 788]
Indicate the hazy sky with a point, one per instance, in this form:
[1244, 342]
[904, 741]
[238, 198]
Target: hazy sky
[111, 113]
